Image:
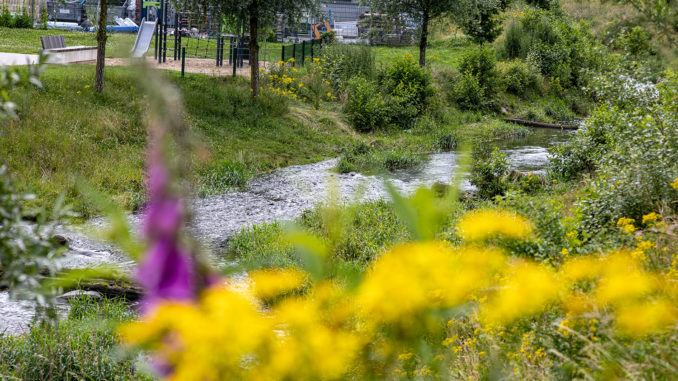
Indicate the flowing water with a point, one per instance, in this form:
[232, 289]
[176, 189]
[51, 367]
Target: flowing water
[283, 195]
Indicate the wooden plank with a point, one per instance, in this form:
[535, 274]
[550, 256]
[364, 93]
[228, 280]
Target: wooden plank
[531, 123]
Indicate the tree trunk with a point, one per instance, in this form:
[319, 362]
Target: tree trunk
[423, 40]
[254, 48]
[101, 46]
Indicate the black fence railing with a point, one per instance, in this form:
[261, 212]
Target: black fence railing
[302, 51]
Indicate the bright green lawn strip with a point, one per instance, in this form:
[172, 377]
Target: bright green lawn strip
[28, 40]
[66, 131]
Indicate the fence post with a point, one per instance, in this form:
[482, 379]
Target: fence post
[235, 58]
[294, 53]
[183, 61]
[165, 15]
[282, 58]
[217, 56]
[303, 53]
[176, 37]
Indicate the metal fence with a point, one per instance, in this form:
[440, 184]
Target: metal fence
[302, 51]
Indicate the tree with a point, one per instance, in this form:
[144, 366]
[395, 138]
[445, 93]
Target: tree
[480, 19]
[424, 10]
[257, 14]
[101, 46]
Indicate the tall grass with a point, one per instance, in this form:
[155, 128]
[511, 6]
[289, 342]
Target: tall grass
[81, 347]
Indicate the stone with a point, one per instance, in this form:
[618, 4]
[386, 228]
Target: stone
[61, 240]
[78, 294]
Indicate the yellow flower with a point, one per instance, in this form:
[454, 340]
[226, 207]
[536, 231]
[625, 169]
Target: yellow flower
[517, 295]
[271, 283]
[674, 184]
[650, 218]
[643, 318]
[488, 223]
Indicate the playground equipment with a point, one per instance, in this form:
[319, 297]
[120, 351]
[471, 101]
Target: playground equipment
[144, 37]
[317, 31]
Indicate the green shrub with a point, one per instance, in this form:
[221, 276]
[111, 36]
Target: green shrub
[482, 21]
[488, 170]
[634, 151]
[345, 61]
[635, 41]
[522, 79]
[469, 95]
[365, 107]
[408, 82]
[481, 63]
[6, 19]
[516, 41]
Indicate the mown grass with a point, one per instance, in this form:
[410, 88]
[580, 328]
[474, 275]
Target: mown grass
[81, 347]
[67, 131]
[28, 40]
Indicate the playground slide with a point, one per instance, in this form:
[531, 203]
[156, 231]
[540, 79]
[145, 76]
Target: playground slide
[144, 37]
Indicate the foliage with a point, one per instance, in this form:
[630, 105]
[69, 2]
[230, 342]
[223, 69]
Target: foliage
[488, 170]
[635, 41]
[360, 157]
[661, 13]
[638, 164]
[27, 253]
[365, 107]
[342, 62]
[423, 11]
[81, 347]
[480, 79]
[521, 79]
[408, 83]
[370, 330]
[19, 20]
[559, 48]
[481, 19]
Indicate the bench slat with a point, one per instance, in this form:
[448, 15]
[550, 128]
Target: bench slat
[53, 42]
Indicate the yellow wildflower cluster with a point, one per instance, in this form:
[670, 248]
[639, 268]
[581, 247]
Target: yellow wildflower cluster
[674, 184]
[626, 224]
[331, 330]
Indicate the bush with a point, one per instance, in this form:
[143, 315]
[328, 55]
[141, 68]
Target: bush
[482, 22]
[635, 41]
[479, 82]
[365, 107]
[481, 63]
[342, 62]
[522, 79]
[635, 153]
[516, 41]
[488, 171]
[408, 82]
[469, 95]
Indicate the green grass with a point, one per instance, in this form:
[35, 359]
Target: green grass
[28, 40]
[82, 347]
[370, 228]
[66, 131]
[446, 52]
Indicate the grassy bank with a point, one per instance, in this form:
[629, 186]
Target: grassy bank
[66, 130]
[82, 346]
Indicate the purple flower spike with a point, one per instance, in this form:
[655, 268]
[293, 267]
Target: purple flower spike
[167, 271]
[166, 274]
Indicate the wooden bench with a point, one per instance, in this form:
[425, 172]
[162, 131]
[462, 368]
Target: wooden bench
[56, 46]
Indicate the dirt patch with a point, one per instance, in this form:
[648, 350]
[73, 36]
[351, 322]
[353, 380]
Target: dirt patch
[193, 65]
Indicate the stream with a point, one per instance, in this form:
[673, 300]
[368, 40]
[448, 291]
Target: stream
[281, 195]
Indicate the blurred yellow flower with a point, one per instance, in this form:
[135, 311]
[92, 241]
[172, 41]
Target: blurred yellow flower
[488, 223]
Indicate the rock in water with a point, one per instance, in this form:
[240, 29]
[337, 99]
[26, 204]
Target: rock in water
[78, 294]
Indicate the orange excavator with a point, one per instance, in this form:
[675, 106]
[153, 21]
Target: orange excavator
[317, 28]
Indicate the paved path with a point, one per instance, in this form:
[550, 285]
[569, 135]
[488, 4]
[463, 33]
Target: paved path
[10, 59]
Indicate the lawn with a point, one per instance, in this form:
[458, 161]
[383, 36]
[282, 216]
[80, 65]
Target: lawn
[28, 40]
[66, 130]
